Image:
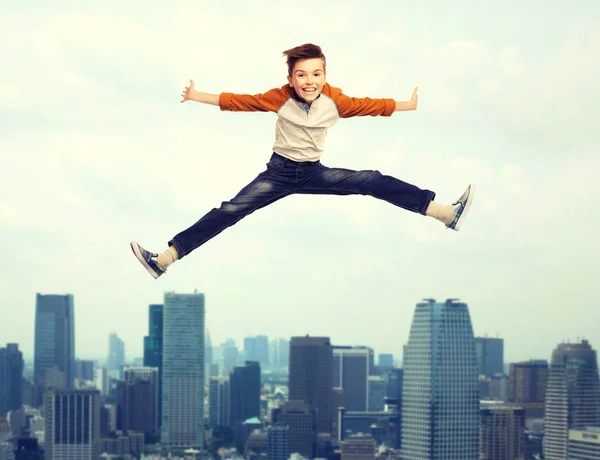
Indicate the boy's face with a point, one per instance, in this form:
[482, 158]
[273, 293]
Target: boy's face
[308, 78]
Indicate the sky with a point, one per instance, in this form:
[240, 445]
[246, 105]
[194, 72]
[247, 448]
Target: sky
[96, 150]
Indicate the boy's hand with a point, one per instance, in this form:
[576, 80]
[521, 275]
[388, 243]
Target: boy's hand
[414, 99]
[186, 95]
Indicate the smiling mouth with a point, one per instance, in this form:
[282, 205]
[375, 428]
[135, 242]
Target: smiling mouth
[309, 90]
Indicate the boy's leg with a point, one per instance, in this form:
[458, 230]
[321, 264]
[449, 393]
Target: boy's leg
[340, 181]
[268, 187]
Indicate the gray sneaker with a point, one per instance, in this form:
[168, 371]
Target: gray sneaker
[463, 204]
[147, 259]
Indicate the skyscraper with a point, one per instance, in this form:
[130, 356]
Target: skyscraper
[54, 339]
[11, 378]
[376, 393]
[385, 360]
[279, 354]
[572, 396]
[84, 369]
[183, 371]
[244, 387]
[214, 402]
[527, 381]
[116, 356]
[257, 349]
[302, 420]
[310, 377]
[153, 348]
[502, 432]
[490, 355]
[351, 369]
[140, 400]
[230, 355]
[72, 424]
[279, 442]
[440, 400]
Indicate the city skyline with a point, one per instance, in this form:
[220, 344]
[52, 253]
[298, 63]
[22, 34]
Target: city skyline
[98, 151]
[101, 354]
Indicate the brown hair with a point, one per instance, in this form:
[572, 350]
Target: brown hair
[306, 51]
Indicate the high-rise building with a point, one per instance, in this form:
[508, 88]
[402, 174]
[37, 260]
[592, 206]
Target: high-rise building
[351, 369]
[54, 340]
[84, 369]
[230, 355]
[572, 396]
[224, 402]
[440, 400]
[101, 380]
[138, 394]
[183, 371]
[358, 447]
[208, 355]
[502, 432]
[376, 393]
[279, 353]
[310, 376]
[116, 356]
[11, 378]
[302, 420]
[257, 349]
[584, 444]
[385, 360]
[244, 387]
[279, 442]
[72, 419]
[490, 355]
[153, 347]
[527, 381]
[214, 402]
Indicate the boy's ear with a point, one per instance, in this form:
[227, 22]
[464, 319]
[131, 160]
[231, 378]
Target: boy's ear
[290, 81]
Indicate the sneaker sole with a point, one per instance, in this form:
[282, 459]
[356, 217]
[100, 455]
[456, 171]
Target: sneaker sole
[138, 255]
[467, 206]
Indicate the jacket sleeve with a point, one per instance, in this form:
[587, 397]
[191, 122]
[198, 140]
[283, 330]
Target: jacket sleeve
[271, 101]
[360, 106]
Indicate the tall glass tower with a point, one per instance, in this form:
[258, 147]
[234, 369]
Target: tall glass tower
[572, 396]
[183, 371]
[54, 340]
[153, 347]
[440, 396]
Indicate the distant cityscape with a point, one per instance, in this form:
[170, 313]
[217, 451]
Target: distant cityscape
[450, 396]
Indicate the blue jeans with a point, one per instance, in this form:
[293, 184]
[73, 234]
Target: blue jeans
[285, 177]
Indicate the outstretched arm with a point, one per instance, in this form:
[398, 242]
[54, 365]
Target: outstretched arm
[402, 106]
[190, 94]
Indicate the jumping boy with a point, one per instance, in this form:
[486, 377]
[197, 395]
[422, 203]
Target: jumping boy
[306, 107]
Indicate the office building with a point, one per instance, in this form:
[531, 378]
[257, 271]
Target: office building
[279, 442]
[11, 378]
[584, 444]
[302, 420]
[54, 344]
[153, 347]
[72, 419]
[310, 376]
[116, 356]
[572, 396]
[490, 355]
[440, 398]
[352, 367]
[502, 432]
[183, 371]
